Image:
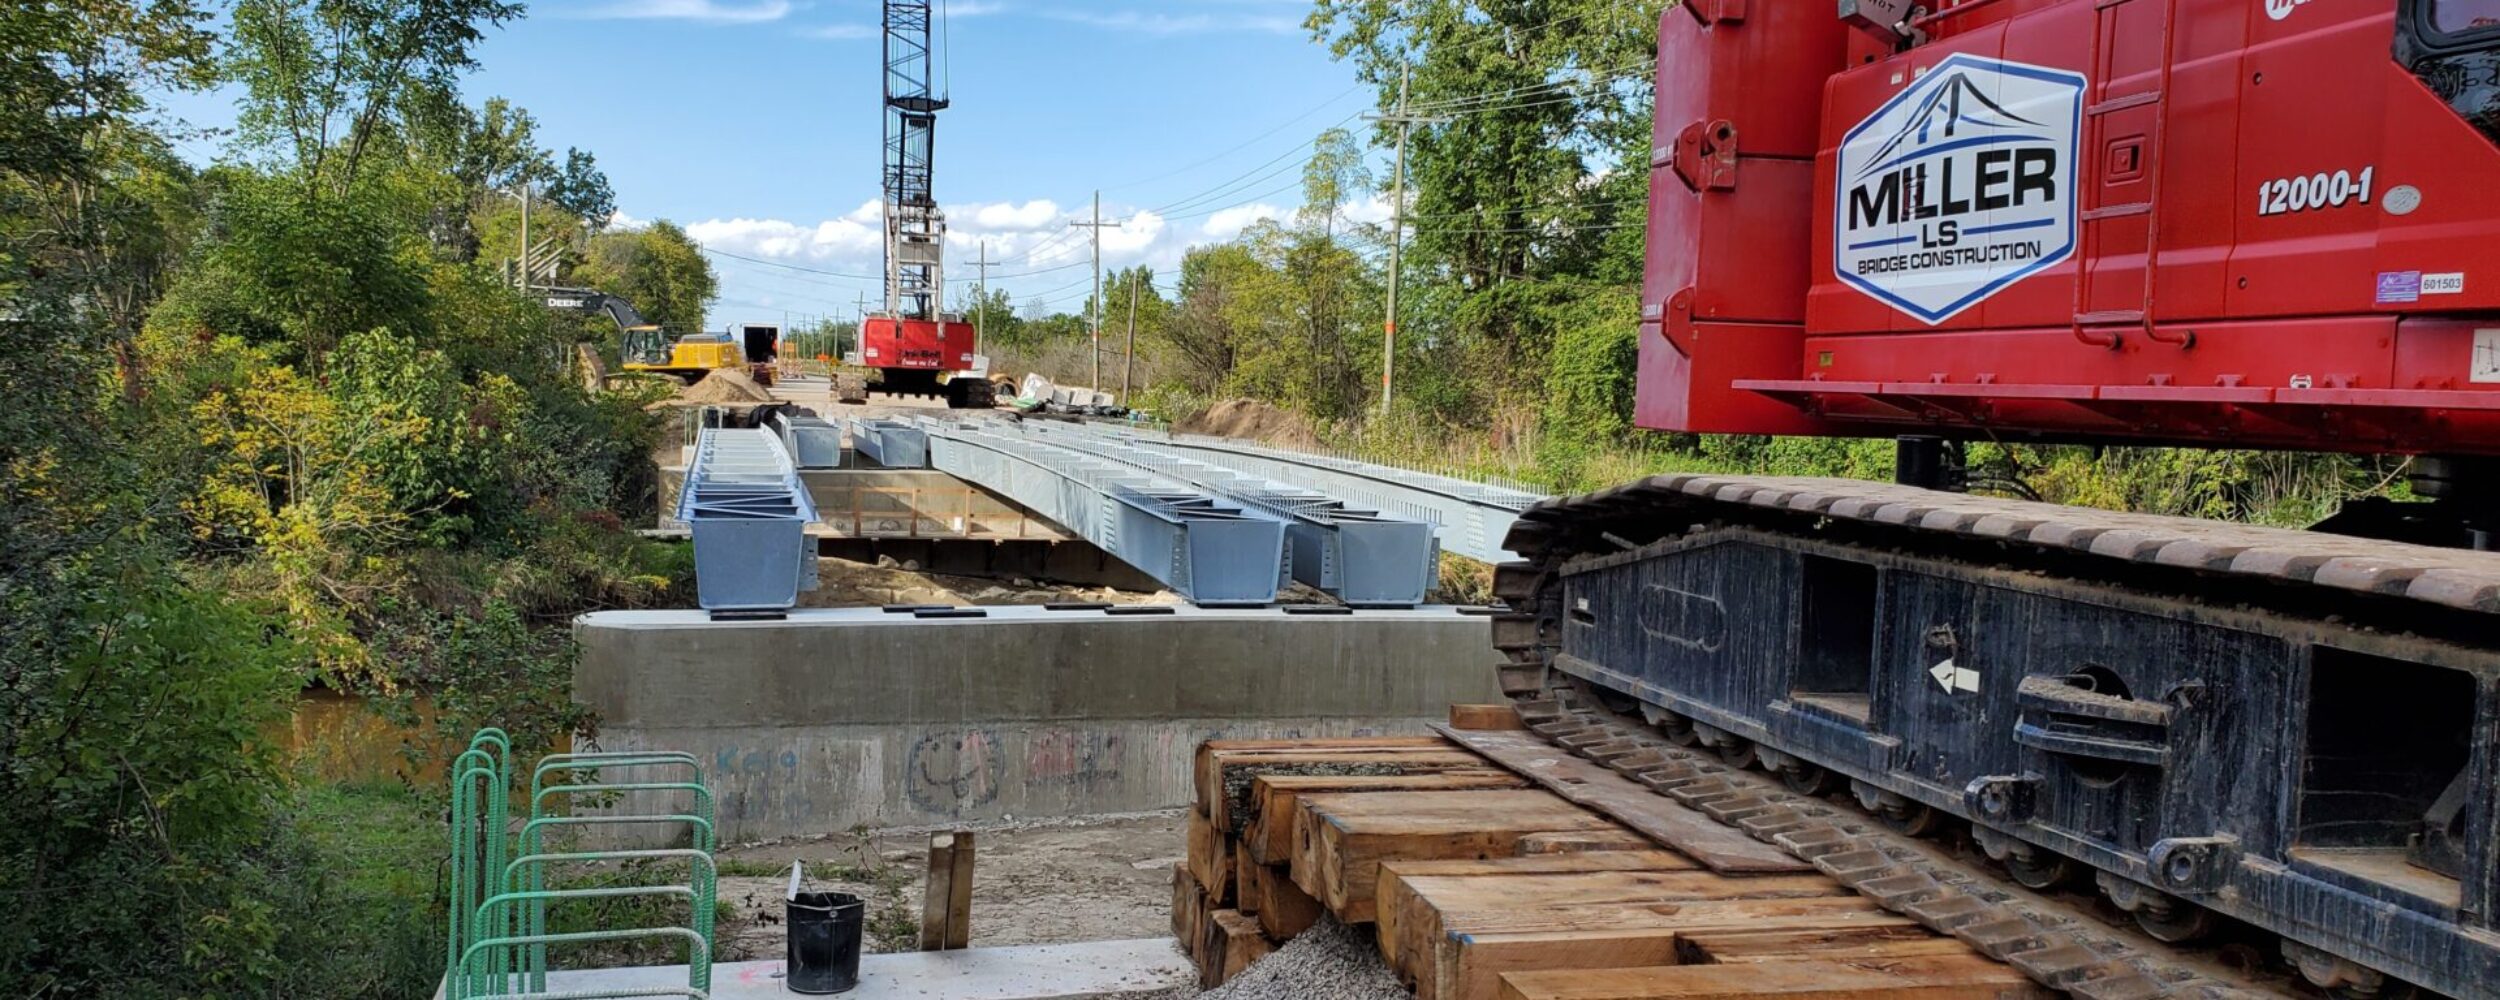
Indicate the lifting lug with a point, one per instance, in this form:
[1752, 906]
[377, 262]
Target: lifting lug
[2193, 866]
[2003, 798]
[1705, 155]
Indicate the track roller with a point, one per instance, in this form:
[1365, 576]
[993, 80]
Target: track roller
[2165, 917]
[1735, 751]
[2029, 866]
[2341, 978]
[1803, 777]
[1910, 819]
[1676, 728]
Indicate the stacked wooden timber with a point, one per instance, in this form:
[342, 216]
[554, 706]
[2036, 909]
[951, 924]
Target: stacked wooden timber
[1491, 868]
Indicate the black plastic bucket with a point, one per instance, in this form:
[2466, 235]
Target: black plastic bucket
[824, 941]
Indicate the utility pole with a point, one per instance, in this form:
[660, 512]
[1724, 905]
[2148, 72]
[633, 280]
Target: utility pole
[1397, 235]
[1128, 359]
[980, 302]
[524, 262]
[1097, 226]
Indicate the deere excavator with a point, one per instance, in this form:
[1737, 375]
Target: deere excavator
[643, 345]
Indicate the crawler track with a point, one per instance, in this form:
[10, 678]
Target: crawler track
[2057, 941]
[2403, 603]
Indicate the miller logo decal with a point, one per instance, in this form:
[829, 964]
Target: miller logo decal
[1960, 186]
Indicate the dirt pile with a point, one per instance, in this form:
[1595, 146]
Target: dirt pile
[1252, 420]
[842, 583]
[726, 385]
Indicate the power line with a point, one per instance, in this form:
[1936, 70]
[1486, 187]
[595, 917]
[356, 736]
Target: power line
[1245, 178]
[1595, 77]
[1246, 143]
[793, 267]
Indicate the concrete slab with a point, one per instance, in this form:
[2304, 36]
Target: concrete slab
[838, 718]
[1094, 969]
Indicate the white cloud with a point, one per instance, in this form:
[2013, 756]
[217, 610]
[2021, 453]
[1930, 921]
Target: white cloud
[976, 8]
[1226, 224]
[1005, 216]
[1033, 254]
[850, 240]
[842, 32]
[1176, 24]
[712, 11]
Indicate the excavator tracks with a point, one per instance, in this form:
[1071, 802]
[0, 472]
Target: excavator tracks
[2203, 721]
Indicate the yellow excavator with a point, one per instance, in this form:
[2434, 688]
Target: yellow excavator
[644, 346]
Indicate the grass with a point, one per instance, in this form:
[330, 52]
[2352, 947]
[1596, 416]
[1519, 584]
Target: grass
[893, 919]
[380, 851]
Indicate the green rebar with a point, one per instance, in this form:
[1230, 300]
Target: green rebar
[704, 877]
[534, 920]
[698, 951]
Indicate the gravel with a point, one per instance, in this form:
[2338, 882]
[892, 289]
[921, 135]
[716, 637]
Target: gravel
[1328, 962]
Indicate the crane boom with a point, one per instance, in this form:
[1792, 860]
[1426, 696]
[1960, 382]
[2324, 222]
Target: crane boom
[915, 229]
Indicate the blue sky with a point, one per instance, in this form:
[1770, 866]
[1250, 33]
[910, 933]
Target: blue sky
[756, 124]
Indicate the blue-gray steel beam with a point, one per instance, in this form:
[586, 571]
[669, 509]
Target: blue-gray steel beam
[748, 512]
[894, 444]
[1206, 549]
[1363, 557]
[812, 442]
[1471, 519]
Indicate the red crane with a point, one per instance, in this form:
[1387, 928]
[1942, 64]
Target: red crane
[916, 346]
[2269, 224]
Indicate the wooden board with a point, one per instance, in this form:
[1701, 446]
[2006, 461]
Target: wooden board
[1284, 910]
[1615, 840]
[1421, 902]
[1269, 827]
[1814, 943]
[1189, 913]
[1496, 717]
[1243, 899]
[1210, 860]
[1222, 768]
[1342, 837]
[1474, 947]
[1233, 942]
[1719, 847]
[1398, 906]
[1931, 977]
[946, 898]
[959, 894]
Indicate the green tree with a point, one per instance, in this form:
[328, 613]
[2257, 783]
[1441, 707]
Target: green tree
[1532, 188]
[658, 268]
[582, 189]
[324, 81]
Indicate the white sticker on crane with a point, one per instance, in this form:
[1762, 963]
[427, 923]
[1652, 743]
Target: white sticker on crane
[1954, 677]
[1959, 187]
[2486, 366]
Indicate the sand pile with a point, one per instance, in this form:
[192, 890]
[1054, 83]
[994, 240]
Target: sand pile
[726, 385]
[1252, 420]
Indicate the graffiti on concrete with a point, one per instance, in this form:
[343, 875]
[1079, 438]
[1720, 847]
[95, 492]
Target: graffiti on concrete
[952, 770]
[1087, 759]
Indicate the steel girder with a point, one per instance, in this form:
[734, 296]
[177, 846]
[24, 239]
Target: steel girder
[894, 444]
[1362, 557]
[1209, 550]
[1470, 518]
[748, 512]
